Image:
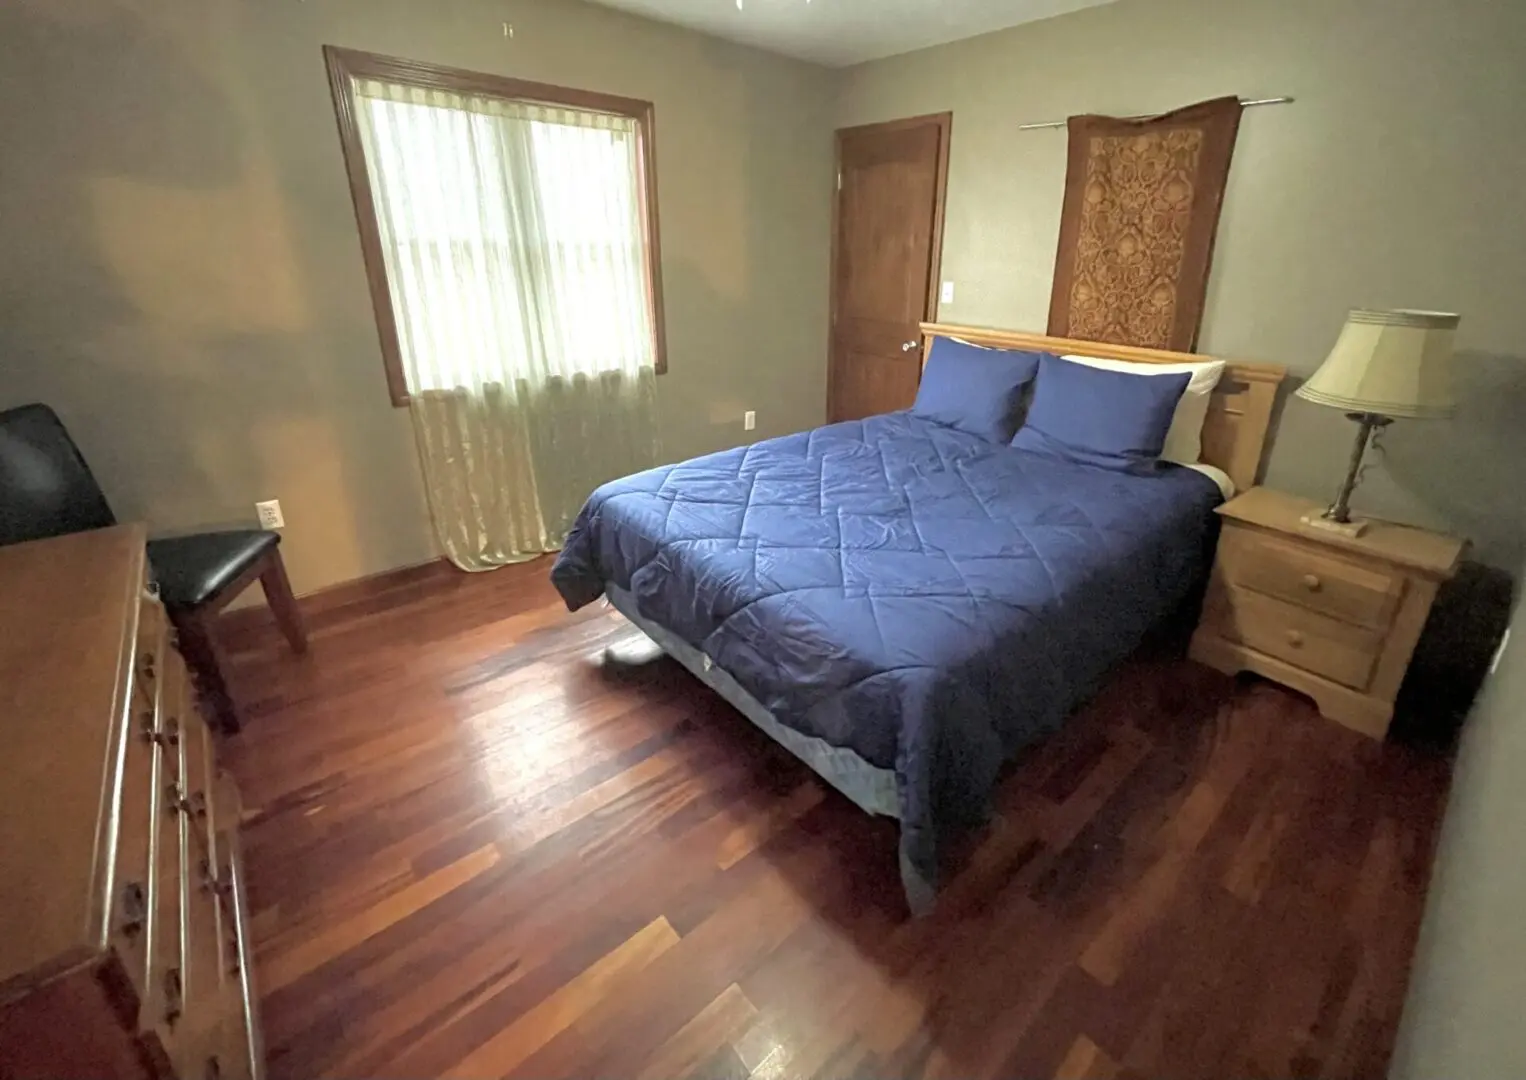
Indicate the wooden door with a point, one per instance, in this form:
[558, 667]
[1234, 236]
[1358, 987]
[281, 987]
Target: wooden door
[887, 238]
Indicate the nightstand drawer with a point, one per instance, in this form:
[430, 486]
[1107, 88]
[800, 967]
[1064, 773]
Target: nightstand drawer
[1316, 643]
[1342, 590]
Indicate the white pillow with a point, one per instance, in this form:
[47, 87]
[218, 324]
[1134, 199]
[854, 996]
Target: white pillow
[1184, 441]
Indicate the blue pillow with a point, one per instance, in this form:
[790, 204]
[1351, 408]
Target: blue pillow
[974, 389]
[1110, 419]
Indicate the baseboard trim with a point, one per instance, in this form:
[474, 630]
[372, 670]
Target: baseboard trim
[244, 627]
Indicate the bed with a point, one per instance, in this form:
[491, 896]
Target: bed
[904, 605]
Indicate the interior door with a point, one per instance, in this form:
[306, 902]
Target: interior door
[887, 238]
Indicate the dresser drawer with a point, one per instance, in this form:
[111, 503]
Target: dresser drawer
[164, 1006]
[229, 876]
[196, 771]
[243, 1051]
[1365, 596]
[152, 642]
[162, 1011]
[200, 1034]
[142, 832]
[1306, 639]
[133, 908]
[206, 965]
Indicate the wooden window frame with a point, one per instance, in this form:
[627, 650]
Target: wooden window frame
[347, 65]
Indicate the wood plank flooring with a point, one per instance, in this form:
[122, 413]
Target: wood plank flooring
[489, 838]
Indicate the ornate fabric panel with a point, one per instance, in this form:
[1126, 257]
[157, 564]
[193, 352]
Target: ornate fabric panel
[1142, 201]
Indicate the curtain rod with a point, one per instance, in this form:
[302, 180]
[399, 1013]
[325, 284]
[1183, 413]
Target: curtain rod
[1148, 116]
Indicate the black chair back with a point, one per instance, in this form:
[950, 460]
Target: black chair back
[46, 488]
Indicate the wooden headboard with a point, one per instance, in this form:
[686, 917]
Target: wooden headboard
[1234, 435]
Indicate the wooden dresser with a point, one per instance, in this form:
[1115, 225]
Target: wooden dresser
[122, 914]
[1333, 616]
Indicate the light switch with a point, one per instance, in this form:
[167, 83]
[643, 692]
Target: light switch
[947, 295]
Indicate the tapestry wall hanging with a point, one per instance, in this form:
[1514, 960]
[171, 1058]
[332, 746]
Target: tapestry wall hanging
[1142, 202]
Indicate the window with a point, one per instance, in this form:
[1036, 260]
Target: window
[509, 229]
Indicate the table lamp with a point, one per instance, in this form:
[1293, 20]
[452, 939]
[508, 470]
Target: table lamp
[1385, 364]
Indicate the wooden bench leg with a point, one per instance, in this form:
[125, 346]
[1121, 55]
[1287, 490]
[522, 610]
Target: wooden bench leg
[283, 605]
[201, 656]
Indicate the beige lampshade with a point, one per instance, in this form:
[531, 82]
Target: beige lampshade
[1393, 363]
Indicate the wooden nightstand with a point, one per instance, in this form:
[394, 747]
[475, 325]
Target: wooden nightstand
[1333, 617]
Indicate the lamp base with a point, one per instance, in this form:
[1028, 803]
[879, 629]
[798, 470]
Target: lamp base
[1319, 523]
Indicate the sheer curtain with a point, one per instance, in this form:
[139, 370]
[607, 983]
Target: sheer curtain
[516, 258]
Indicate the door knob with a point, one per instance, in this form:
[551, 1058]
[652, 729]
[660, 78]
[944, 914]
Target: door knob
[908, 346]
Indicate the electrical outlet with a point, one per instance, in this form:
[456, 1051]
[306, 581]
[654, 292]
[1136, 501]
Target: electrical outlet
[749, 420]
[947, 295]
[270, 514]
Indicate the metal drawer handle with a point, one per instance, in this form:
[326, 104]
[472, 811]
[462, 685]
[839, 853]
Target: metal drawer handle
[146, 726]
[909, 345]
[173, 997]
[169, 737]
[235, 952]
[179, 804]
[1295, 638]
[209, 880]
[134, 908]
[1312, 582]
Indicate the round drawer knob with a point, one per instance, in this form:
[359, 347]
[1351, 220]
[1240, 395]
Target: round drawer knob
[1312, 582]
[1295, 638]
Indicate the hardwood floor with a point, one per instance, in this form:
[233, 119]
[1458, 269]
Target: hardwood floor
[489, 838]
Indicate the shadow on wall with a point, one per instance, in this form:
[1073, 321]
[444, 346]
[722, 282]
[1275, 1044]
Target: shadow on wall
[746, 305]
[1466, 470]
[1459, 470]
[154, 293]
[63, 307]
[1465, 467]
[702, 400]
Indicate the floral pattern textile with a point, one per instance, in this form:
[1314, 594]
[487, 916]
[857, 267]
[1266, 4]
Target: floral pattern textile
[1142, 202]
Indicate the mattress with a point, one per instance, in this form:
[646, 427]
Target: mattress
[920, 597]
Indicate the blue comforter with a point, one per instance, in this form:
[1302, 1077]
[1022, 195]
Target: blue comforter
[921, 596]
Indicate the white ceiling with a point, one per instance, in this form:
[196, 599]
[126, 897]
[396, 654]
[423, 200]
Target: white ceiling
[842, 32]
